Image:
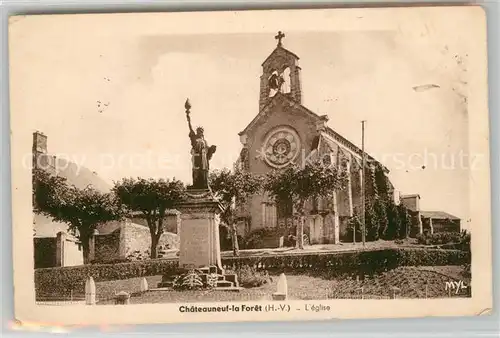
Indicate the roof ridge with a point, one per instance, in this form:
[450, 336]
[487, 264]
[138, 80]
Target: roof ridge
[275, 50]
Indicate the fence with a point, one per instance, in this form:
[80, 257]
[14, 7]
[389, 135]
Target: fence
[193, 296]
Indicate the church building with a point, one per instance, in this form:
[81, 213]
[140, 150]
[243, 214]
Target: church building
[285, 131]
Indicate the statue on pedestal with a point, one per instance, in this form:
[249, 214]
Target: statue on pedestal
[201, 153]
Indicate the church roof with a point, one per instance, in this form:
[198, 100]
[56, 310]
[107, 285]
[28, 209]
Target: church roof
[263, 112]
[351, 146]
[277, 50]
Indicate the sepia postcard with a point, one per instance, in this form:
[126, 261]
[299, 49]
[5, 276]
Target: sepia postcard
[250, 165]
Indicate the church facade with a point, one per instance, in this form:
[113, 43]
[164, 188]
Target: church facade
[285, 131]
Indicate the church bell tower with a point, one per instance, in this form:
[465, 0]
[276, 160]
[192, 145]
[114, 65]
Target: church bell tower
[280, 74]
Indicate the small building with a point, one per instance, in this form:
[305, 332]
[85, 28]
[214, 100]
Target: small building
[429, 221]
[62, 250]
[440, 221]
[116, 240]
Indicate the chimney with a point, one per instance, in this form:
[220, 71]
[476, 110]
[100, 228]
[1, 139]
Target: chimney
[39, 142]
[412, 202]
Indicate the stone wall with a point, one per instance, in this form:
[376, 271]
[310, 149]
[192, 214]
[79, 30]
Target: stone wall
[107, 247]
[62, 250]
[108, 227]
[130, 241]
[136, 240]
[171, 222]
[72, 252]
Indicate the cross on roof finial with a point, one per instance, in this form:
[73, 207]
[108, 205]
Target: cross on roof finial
[279, 37]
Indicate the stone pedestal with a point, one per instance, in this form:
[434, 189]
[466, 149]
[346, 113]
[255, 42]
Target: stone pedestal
[199, 248]
[199, 230]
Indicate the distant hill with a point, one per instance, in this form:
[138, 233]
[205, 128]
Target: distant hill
[81, 177]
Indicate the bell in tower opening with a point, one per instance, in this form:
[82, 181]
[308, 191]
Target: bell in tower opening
[280, 74]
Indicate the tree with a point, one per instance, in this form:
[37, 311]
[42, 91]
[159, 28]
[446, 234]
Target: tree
[393, 222]
[372, 223]
[405, 221]
[47, 189]
[379, 208]
[381, 182]
[152, 198]
[301, 183]
[354, 223]
[231, 188]
[82, 209]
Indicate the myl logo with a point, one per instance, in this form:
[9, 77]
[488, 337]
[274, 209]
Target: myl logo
[456, 286]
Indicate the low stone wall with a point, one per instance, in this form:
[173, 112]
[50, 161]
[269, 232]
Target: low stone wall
[137, 242]
[130, 241]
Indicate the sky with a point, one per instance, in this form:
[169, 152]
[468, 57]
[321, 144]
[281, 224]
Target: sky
[112, 98]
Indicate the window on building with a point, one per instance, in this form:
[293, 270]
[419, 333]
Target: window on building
[287, 86]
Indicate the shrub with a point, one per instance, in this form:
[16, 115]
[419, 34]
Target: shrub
[354, 223]
[291, 240]
[138, 255]
[439, 238]
[225, 238]
[251, 270]
[250, 277]
[194, 279]
[72, 278]
[190, 280]
[261, 238]
[212, 280]
[465, 241]
[342, 263]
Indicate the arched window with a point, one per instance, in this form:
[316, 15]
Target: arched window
[274, 83]
[286, 87]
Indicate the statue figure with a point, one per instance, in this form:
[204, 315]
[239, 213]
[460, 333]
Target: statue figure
[201, 153]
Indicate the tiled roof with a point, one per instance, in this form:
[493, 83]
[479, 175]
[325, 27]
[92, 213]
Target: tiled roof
[280, 49]
[338, 138]
[438, 215]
